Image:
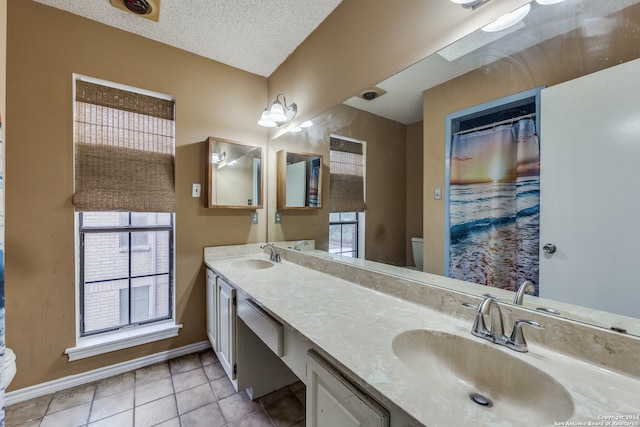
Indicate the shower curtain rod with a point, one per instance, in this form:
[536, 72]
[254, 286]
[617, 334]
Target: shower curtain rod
[492, 125]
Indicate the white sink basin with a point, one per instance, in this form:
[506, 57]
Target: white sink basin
[252, 264]
[517, 391]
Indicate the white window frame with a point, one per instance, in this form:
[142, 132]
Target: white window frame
[94, 345]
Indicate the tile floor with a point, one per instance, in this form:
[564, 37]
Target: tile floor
[189, 391]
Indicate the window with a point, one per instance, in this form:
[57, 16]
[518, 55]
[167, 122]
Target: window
[121, 284]
[343, 233]
[346, 220]
[124, 141]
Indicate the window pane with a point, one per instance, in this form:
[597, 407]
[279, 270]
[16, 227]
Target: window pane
[348, 216]
[152, 256]
[104, 257]
[349, 238]
[334, 217]
[335, 238]
[102, 305]
[101, 219]
[151, 297]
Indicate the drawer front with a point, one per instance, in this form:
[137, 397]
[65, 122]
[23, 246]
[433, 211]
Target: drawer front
[268, 329]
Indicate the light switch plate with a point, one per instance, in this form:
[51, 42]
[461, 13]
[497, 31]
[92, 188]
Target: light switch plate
[195, 190]
[253, 217]
[437, 193]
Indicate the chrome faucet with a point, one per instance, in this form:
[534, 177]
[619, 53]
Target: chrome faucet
[275, 256]
[300, 243]
[495, 332]
[526, 286]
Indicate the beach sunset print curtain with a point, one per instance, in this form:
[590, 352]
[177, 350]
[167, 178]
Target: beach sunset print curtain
[494, 206]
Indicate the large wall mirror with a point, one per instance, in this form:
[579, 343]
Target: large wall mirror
[235, 174]
[405, 133]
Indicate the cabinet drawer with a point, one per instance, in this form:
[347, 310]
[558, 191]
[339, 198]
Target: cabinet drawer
[268, 329]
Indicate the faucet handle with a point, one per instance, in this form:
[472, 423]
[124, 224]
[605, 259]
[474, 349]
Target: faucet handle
[479, 327]
[516, 340]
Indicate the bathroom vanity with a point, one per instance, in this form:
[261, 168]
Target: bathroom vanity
[399, 351]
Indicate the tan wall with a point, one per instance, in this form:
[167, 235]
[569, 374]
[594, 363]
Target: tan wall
[365, 41]
[45, 46]
[414, 186]
[385, 234]
[560, 59]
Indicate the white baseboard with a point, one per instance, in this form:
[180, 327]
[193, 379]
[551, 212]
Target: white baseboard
[100, 373]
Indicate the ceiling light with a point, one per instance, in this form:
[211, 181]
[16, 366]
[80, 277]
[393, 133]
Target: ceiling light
[546, 2]
[508, 20]
[278, 113]
[470, 4]
[306, 124]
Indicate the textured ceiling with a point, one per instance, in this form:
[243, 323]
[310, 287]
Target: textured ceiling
[253, 35]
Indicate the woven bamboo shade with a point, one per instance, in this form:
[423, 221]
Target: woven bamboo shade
[347, 176]
[124, 151]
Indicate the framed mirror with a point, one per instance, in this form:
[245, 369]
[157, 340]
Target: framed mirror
[299, 180]
[234, 174]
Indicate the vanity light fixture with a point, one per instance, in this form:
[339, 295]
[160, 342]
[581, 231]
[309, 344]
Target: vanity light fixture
[508, 20]
[470, 4]
[218, 157]
[278, 113]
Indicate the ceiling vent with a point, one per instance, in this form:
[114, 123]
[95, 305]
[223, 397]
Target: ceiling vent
[149, 9]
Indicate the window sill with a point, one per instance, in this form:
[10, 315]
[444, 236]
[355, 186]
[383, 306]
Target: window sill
[105, 343]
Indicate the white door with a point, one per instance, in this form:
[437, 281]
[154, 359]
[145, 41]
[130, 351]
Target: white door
[227, 327]
[590, 196]
[212, 310]
[332, 401]
[297, 184]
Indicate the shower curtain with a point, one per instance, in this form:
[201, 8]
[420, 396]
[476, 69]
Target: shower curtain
[1, 277]
[494, 206]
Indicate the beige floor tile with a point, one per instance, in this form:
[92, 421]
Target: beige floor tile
[123, 419]
[214, 371]
[32, 423]
[275, 395]
[206, 416]
[194, 398]
[71, 417]
[149, 392]
[152, 373]
[111, 405]
[208, 357]
[71, 397]
[238, 406]
[186, 380]
[30, 409]
[155, 412]
[286, 411]
[173, 422]
[298, 385]
[114, 385]
[185, 363]
[257, 419]
[222, 387]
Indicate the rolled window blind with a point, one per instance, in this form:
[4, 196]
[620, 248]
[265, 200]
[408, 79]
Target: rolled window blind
[124, 150]
[347, 176]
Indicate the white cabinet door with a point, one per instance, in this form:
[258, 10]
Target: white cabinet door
[332, 401]
[212, 309]
[227, 327]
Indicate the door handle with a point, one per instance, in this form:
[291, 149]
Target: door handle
[549, 248]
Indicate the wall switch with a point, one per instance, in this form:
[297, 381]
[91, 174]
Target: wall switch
[195, 190]
[437, 193]
[253, 217]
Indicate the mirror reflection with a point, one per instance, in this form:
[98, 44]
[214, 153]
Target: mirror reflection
[554, 44]
[234, 174]
[299, 180]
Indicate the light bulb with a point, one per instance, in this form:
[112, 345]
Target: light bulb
[276, 113]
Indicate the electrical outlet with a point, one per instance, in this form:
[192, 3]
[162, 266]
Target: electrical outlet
[278, 218]
[253, 217]
[195, 190]
[437, 193]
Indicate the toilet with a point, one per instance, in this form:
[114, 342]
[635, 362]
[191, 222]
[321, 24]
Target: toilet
[9, 366]
[417, 245]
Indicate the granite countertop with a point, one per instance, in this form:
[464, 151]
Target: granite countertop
[355, 326]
